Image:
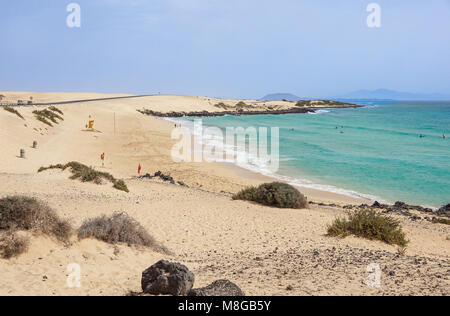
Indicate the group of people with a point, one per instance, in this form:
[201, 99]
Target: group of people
[342, 127]
[423, 136]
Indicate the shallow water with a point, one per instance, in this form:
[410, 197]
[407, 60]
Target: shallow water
[375, 151]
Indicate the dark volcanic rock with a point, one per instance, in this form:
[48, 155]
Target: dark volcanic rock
[219, 288]
[166, 278]
[379, 205]
[146, 176]
[237, 113]
[164, 177]
[444, 211]
[403, 208]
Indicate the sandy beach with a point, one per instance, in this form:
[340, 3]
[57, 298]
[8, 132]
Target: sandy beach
[265, 251]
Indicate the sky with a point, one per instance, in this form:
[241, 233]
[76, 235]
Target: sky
[225, 48]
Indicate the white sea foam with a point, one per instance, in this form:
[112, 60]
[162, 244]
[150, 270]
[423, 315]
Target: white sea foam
[319, 112]
[260, 167]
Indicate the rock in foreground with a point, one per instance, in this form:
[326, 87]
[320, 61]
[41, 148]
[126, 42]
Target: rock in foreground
[219, 288]
[166, 278]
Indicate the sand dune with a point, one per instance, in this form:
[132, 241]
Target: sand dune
[263, 250]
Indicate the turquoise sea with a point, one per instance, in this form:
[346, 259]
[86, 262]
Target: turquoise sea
[374, 151]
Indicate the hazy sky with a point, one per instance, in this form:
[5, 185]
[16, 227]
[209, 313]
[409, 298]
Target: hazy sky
[225, 48]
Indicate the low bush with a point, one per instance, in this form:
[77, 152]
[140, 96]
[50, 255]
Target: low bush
[30, 214]
[302, 103]
[87, 174]
[221, 105]
[13, 111]
[241, 105]
[275, 194]
[46, 116]
[119, 228]
[121, 186]
[12, 245]
[369, 224]
[55, 109]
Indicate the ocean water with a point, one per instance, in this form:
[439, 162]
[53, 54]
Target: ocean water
[374, 151]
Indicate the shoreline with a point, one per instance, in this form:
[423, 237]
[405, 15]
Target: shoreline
[263, 250]
[318, 194]
[240, 113]
[313, 194]
[329, 190]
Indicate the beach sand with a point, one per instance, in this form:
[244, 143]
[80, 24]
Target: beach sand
[265, 251]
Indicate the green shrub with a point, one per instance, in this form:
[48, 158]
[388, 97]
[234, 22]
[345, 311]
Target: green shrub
[12, 245]
[44, 120]
[247, 194]
[275, 194]
[45, 116]
[55, 109]
[369, 224]
[120, 185]
[119, 228]
[221, 105]
[241, 105]
[13, 111]
[87, 174]
[302, 103]
[30, 214]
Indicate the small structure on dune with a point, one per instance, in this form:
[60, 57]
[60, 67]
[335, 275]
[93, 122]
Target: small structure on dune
[90, 126]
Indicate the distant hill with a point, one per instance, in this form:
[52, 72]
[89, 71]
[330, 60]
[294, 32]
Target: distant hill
[379, 94]
[387, 94]
[281, 96]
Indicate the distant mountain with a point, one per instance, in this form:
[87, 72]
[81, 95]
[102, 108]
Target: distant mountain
[387, 94]
[281, 96]
[379, 94]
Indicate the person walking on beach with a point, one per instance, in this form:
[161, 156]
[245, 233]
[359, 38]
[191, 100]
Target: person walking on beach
[102, 157]
[139, 169]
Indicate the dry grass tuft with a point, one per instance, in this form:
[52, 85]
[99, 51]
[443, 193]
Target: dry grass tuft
[119, 228]
[30, 214]
[13, 111]
[12, 245]
[369, 224]
[46, 116]
[55, 109]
